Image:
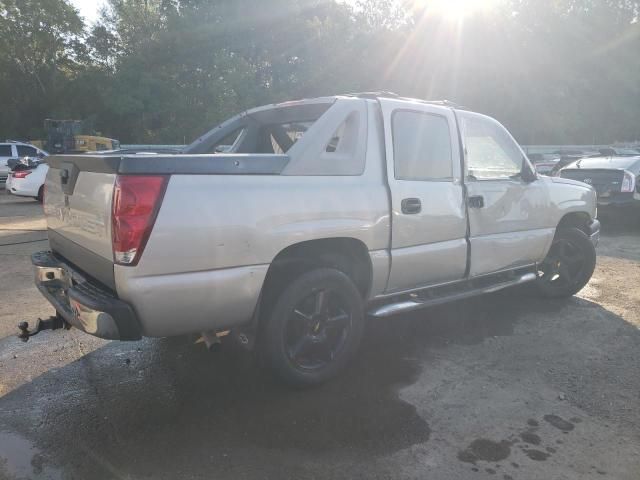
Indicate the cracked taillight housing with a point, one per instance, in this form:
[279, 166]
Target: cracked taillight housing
[136, 201]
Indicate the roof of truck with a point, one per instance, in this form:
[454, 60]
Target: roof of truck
[373, 95]
[395, 96]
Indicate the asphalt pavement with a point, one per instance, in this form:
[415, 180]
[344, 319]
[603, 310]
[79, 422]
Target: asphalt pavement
[506, 386]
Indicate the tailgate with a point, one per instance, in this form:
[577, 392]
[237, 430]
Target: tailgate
[77, 205]
[79, 195]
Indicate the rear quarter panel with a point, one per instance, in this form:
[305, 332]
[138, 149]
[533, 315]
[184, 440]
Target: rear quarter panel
[215, 236]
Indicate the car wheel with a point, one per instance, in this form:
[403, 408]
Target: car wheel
[40, 196]
[314, 327]
[568, 266]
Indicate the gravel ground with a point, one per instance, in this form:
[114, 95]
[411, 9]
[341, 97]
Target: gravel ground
[500, 387]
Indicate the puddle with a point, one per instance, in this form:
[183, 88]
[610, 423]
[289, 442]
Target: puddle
[531, 438]
[559, 422]
[536, 455]
[485, 450]
[19, 458]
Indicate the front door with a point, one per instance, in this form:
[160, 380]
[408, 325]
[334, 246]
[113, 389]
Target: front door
[508, 216]
[428, 234]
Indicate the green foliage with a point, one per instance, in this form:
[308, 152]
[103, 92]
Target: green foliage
[554, 71]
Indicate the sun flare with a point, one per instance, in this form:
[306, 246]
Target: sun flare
[456, 9]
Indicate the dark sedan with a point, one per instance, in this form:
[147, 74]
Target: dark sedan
[615, 179]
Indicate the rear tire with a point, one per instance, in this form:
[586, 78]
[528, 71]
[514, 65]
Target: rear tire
[314, 327]
[568, 265]
[40, 196]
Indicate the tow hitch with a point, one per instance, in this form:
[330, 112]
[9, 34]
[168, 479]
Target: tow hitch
[51, 323]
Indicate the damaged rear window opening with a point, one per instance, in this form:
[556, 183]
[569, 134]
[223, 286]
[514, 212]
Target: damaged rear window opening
[266, 130]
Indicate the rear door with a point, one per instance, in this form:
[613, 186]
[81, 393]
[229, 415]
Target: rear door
[509, 221]
[428, 238]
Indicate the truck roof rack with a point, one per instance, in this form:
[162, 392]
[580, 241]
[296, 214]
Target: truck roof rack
[385, 94]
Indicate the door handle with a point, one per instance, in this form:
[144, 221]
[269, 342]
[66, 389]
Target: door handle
[475, 201]
[411, 206]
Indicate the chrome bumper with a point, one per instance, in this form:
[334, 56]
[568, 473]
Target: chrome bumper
[83, 303]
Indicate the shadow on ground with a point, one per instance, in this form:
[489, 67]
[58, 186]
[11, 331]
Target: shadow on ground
[167, 409]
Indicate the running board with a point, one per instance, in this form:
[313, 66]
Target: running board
[415, 301]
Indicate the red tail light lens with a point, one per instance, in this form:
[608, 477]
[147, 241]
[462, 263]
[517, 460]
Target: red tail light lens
[136, 201]
[21, 173]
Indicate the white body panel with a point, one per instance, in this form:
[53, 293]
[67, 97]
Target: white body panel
[215, 235]
[28, 186]
[429, 246]
[14, 150]
[211, 277]
[84, 217]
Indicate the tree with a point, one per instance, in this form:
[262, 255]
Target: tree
[41, 45]
[554, 71]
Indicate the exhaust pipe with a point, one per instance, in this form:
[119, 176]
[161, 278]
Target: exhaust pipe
[212, 340]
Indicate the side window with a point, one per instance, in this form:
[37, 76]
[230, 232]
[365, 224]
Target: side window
[26, 151]
[5, 150]
[491, 153]
[421, 146]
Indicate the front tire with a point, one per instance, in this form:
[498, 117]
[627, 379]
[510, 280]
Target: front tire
[40, 197]
[314, 327]
[568, 266]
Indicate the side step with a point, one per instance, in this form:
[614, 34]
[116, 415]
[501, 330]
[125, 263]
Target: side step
[452, 292]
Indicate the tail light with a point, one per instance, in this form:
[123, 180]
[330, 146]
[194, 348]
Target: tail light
[21, 173]
[136, 201]
[628, 182]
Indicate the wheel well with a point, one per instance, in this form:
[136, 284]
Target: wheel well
[579, 220]
[348, 255]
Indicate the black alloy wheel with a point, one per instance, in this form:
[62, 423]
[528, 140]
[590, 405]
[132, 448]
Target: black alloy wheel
[314, 327]
[317, 329]
[568, 265]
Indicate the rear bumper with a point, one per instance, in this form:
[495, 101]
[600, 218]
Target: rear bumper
[19, 193]
[83, 303]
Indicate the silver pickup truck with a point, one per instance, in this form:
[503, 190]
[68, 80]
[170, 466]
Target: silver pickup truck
[286, 225]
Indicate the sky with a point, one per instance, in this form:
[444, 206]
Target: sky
[88, 8]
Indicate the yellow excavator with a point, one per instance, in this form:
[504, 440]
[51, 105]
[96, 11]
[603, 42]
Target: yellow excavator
[70, 136]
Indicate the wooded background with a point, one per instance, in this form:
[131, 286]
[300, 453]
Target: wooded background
[165, 71]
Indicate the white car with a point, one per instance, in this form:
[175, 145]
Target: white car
[12, 149]
[28, 182]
